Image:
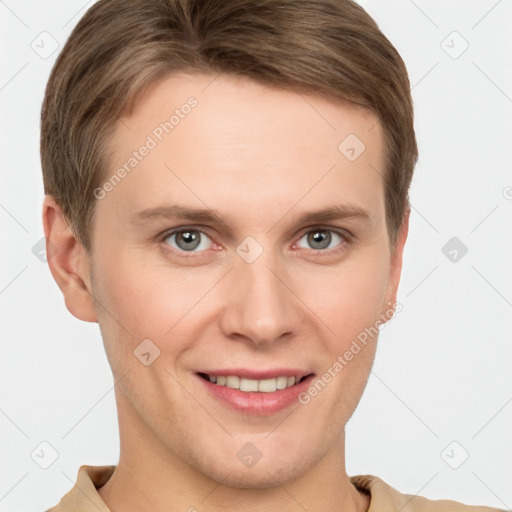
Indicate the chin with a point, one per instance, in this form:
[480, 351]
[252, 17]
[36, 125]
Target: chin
[265, 474]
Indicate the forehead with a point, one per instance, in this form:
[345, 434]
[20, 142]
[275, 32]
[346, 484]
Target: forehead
[230, 142]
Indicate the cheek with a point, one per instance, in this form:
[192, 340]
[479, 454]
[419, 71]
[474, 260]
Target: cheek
[346, 300]
[147, 300]
[150, 301]
[351, 305]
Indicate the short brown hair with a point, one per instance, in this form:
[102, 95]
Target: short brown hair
[327, 47]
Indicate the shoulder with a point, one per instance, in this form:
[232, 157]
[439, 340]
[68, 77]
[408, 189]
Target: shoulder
[84, 495]
[388, 499]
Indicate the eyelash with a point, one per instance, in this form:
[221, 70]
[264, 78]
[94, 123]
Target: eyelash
[342, 246]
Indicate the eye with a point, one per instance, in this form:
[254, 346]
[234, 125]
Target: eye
[320, 239]
[188, 240]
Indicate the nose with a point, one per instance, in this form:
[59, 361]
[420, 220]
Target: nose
[260, 306]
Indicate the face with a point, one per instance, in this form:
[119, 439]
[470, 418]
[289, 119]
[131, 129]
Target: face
[212, 248]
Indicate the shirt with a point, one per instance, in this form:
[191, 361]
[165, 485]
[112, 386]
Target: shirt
[84, 497]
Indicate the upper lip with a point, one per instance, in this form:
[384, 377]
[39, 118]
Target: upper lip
[249, 373]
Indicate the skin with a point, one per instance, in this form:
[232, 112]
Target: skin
[260, 157]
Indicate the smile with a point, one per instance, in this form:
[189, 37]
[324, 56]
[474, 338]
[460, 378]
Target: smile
[255, 392]
[252, 385]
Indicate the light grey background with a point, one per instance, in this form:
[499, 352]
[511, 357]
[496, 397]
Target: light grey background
[441, 384]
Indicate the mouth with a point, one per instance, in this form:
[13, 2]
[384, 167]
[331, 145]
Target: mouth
[247, 385]
[255, 392]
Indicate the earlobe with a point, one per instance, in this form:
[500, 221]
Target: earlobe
[68, 262]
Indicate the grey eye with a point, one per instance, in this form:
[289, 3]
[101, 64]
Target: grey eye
[187, 240]
[319, 239]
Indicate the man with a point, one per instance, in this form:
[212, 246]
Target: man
[276, 140]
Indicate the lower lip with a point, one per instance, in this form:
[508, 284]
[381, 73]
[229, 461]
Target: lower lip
[257, 403]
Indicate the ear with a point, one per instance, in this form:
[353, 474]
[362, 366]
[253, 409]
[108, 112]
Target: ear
[395, 269]
[69, 262]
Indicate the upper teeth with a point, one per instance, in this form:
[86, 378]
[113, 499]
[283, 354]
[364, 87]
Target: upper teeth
[265, 385]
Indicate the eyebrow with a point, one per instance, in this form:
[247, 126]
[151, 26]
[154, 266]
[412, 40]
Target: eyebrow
[336, 212]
